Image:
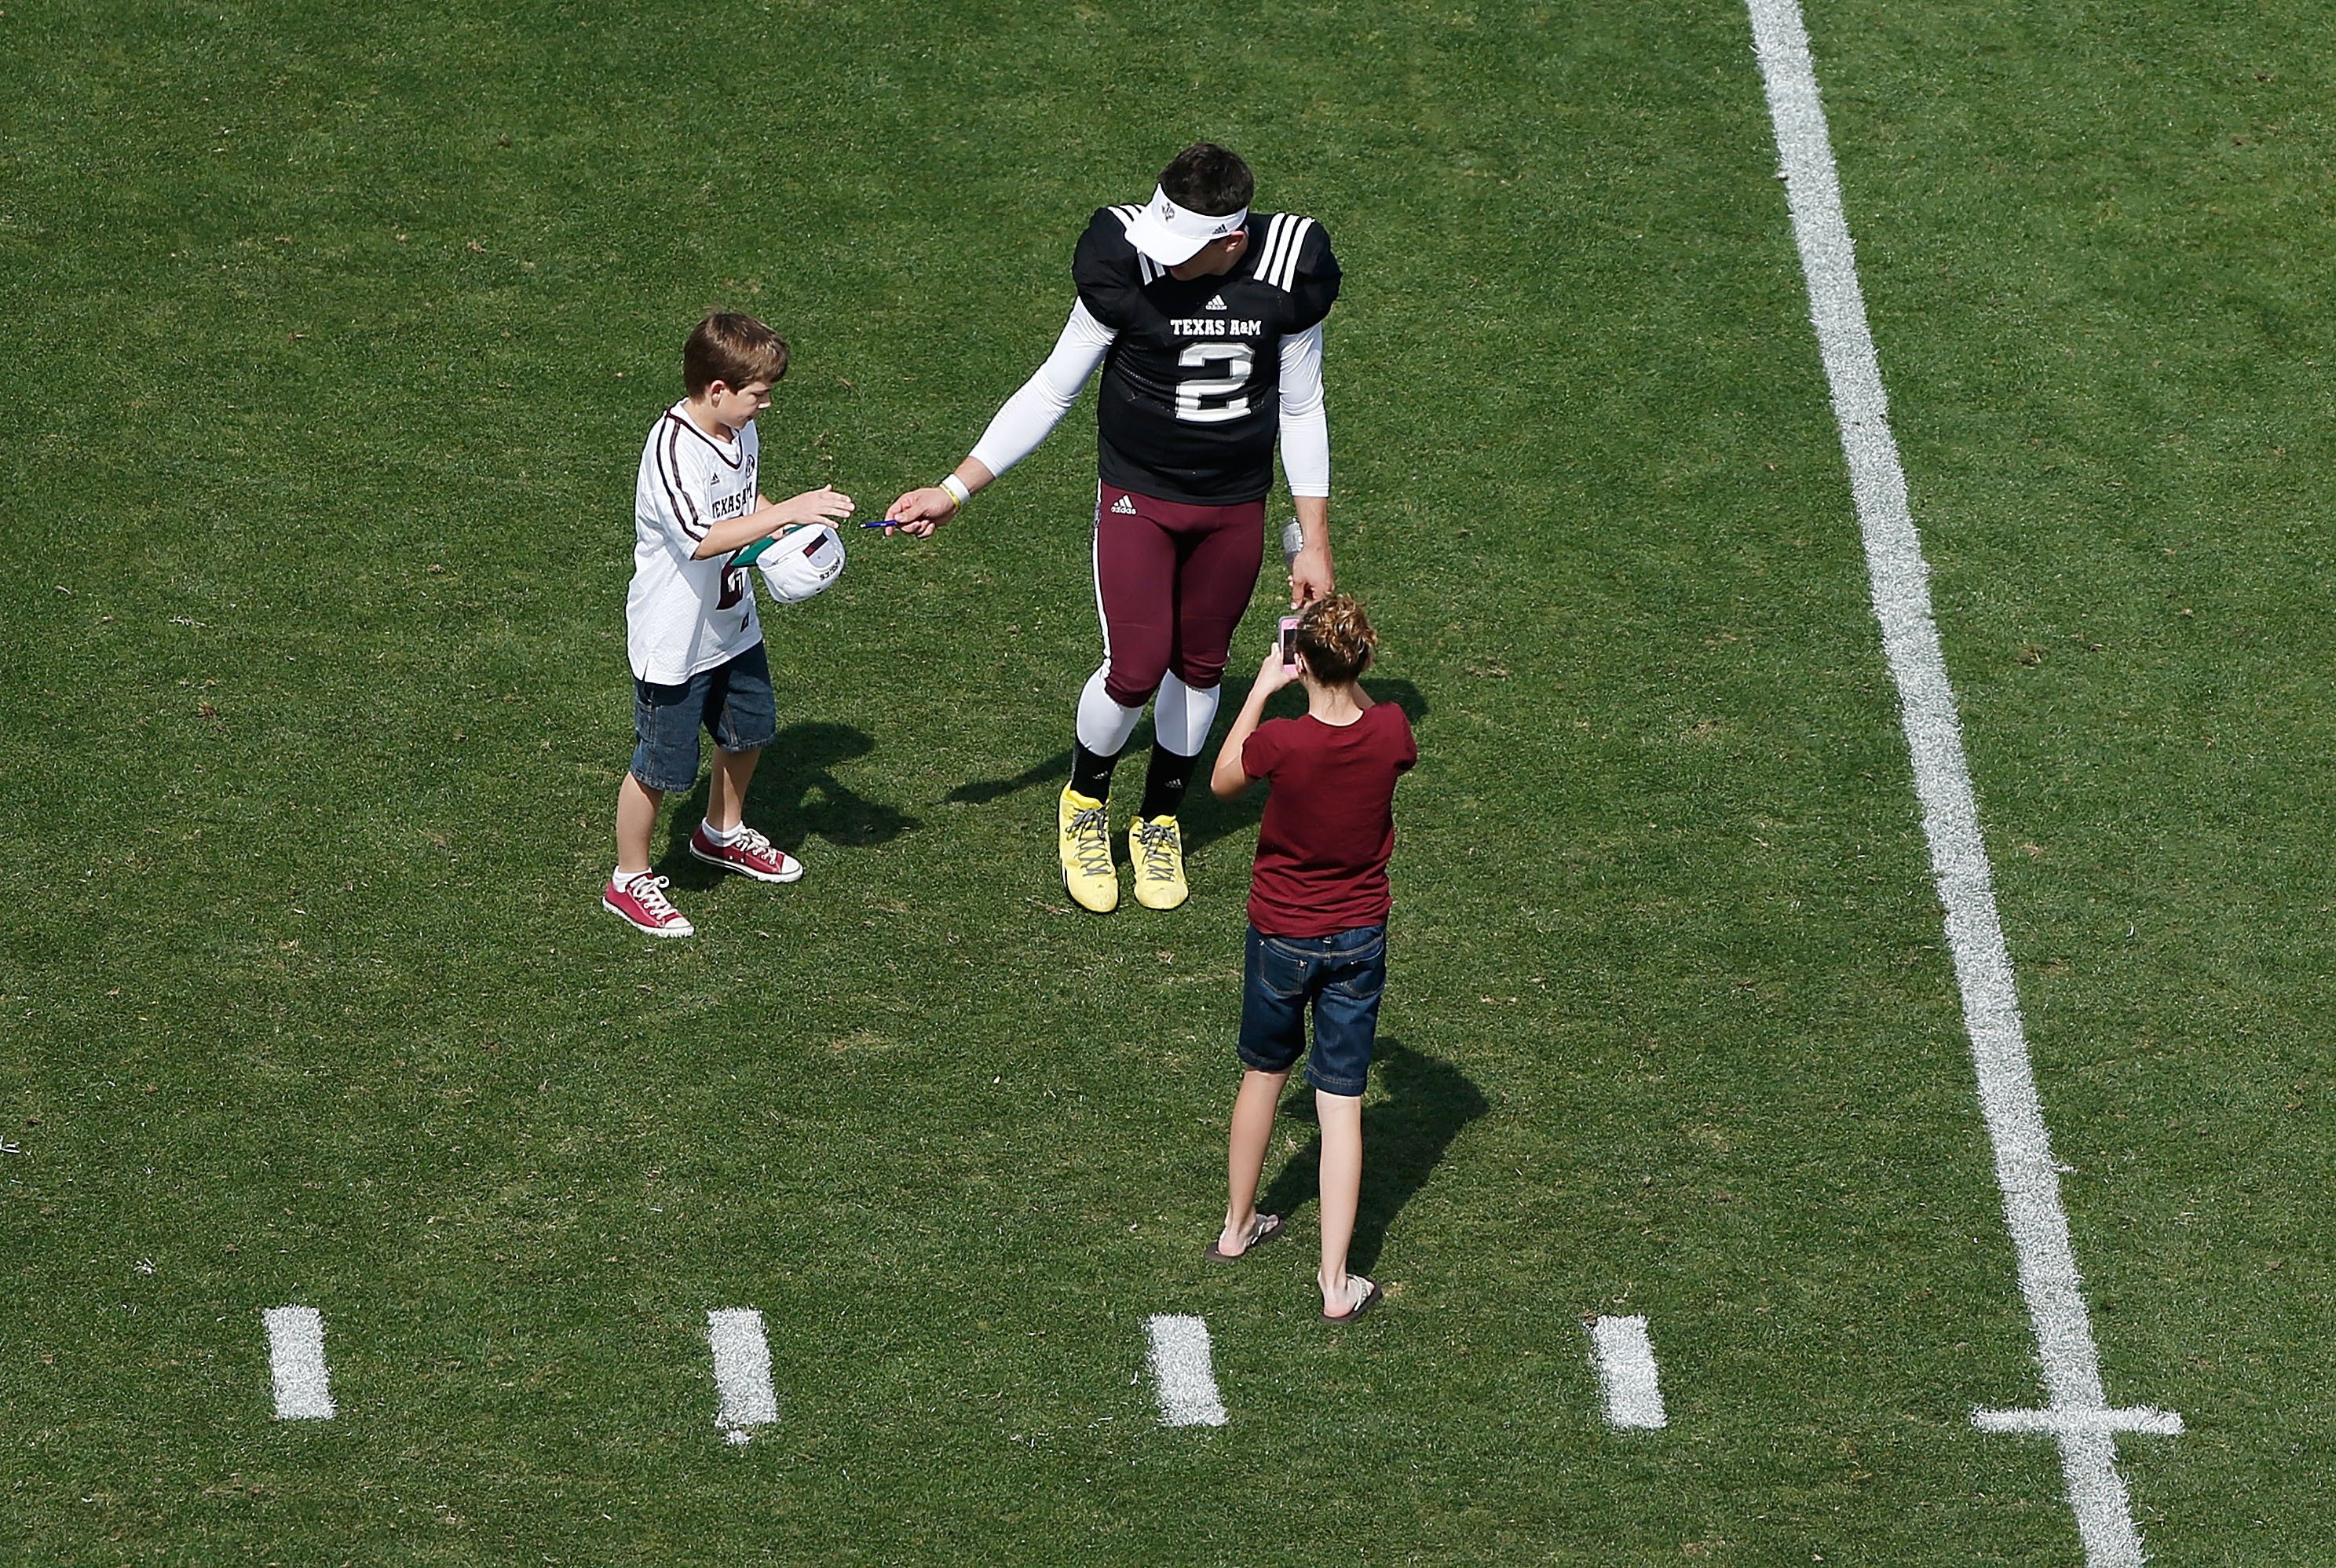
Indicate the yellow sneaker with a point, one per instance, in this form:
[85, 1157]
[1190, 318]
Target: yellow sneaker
[1156, 849]
[1083, 840]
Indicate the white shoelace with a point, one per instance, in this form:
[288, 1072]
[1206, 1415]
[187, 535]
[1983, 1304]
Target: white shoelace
[755, 843]
[648, 891]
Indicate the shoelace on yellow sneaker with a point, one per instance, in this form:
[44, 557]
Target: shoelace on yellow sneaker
[1091, 841]
[1156, 843]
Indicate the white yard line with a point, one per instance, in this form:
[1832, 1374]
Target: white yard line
[1626, 1372]
[295, 1364]
[2077, 1411]
[2132, 1418]
[1180, 1366]
[742, 1371]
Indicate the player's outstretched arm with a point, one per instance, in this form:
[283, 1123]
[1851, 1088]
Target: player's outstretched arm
[825, 504]
[1229, 777]
[920, 511]
[1028, 417]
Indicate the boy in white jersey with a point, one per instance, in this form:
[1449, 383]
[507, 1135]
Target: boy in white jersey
[690, 628]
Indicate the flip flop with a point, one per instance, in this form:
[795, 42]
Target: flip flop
[1371, 1299]
[1266, 1227]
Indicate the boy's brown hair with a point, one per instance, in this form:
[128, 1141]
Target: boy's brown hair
[733, 350]
[1335, 638]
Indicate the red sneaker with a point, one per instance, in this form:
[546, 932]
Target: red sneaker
[749, 854]
[641, 904]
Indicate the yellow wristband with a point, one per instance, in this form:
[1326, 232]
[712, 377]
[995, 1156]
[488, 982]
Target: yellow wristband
[958, 492]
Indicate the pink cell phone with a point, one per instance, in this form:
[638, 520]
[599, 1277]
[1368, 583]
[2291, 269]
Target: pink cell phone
[1290, 642]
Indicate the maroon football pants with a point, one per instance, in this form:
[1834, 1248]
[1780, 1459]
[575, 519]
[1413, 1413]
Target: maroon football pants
[1172, 581]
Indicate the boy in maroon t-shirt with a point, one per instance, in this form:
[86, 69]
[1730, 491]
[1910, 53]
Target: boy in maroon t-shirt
[1317, 910]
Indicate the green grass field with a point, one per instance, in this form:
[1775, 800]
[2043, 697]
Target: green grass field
[334, 333]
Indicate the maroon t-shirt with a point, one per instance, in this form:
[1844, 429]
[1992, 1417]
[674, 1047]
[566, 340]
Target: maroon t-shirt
[1329, 824]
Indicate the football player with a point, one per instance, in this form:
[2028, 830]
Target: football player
[1207, 320]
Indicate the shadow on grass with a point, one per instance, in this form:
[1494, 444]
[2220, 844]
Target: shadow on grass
[981, 792]
[795, 795]
[1405, 1136]
[1204, 818]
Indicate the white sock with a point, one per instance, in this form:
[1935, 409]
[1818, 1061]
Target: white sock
[620, 878]
[1181, 716]
[1104, 725]
[721, 835]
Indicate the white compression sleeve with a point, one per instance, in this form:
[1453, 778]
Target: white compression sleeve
[1181, 716]
[1305, 430]
[1032, 414]
[1104, 725]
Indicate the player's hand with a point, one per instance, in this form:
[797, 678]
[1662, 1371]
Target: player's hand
[920, 511]
[825, 504]
[1310, 575]
[1274, 674]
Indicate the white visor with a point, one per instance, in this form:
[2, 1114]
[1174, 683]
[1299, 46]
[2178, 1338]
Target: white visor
[1171, 235]
[804, 563]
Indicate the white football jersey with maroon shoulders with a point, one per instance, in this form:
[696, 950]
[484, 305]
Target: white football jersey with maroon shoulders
[684, 615]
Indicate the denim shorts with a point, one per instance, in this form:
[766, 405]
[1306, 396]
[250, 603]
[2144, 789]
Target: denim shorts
[1342, 975]
[733, 700]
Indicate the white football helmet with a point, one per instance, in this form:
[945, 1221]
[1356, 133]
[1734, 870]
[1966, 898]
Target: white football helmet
[800, 562]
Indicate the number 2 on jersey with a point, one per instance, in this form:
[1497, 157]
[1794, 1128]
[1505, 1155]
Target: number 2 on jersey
[1228, 388]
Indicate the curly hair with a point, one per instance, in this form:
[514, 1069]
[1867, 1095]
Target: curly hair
[1336, 639]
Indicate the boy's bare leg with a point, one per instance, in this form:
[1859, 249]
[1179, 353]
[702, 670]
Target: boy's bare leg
[636, 810]
[1254, 1108]
[1341, 1116]
[725, 796]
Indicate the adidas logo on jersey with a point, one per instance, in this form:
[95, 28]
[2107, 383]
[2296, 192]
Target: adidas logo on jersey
[1125, 506]
[1218, 302]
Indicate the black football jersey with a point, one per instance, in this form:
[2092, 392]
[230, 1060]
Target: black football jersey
[1191, 397]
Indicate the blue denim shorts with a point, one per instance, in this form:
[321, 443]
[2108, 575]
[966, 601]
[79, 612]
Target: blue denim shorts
[1342, 975]
[732, 700]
